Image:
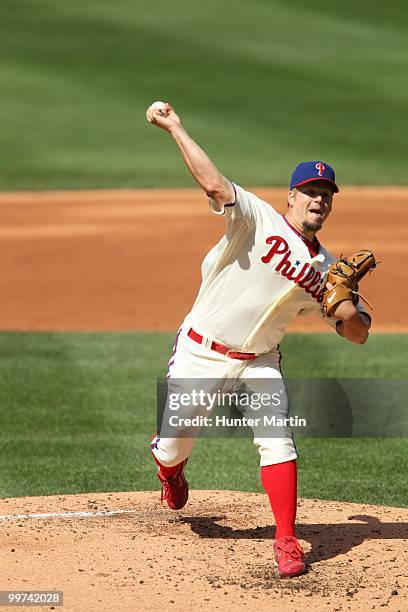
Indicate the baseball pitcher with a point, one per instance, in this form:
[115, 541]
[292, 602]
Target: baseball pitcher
[266, 270]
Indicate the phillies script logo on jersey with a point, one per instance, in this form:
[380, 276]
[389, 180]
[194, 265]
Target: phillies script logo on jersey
[307, 277]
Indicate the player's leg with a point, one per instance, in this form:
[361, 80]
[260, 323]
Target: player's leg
[193, 373]
[192, 368]
[277, 459]
[174, 483]
[274, 442]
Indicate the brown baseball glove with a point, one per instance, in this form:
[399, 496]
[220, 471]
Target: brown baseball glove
[344, 276]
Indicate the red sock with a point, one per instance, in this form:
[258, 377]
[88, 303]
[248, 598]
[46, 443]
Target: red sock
[280, 484]
[166, 471]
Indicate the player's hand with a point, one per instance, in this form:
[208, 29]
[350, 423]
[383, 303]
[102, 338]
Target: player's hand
[167, 121]
[344, 311]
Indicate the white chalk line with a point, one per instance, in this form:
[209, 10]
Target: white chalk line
[10, 517]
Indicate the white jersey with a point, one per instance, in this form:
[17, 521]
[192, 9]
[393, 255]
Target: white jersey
[258, 278]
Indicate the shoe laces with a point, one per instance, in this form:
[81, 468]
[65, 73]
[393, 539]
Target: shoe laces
[291, 546]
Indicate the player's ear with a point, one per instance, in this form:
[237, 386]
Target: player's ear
[291, 197]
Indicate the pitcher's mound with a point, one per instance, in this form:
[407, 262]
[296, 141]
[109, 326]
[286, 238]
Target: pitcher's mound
[123, 551]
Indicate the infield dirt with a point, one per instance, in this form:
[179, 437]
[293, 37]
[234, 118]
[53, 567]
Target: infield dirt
[215, 554]
[130, 260]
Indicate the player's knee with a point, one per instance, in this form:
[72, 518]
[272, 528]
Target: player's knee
[171, 459]
[276, 450]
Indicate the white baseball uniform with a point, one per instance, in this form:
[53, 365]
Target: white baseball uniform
[257, 279]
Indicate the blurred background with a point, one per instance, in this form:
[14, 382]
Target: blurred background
[94, 283]
[260, 83]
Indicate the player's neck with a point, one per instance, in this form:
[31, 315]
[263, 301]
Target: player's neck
[309, 235]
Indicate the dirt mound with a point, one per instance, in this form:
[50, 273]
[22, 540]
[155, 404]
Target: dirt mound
[123, 551]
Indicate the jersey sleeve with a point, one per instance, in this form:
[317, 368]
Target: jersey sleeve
[246, 205]
[363, 311]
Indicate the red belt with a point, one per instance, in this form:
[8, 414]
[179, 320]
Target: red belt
[221, 348]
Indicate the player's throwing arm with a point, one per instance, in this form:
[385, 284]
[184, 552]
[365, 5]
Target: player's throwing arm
[198, 163]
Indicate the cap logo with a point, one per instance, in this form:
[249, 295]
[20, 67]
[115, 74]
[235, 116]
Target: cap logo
[320, 168]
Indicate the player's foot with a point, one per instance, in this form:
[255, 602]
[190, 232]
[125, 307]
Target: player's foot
[289, 557]
[174, 488]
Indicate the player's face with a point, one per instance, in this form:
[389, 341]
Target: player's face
[311, 204]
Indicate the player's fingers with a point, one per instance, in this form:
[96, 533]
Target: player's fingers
[151, 115]
[159, 117]
[150, 111]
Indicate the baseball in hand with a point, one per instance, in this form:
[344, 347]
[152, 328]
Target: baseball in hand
[160, 106]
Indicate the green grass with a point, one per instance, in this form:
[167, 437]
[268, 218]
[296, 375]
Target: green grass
[328, 356]
[78, 410]
[357, 470]
[261, 84]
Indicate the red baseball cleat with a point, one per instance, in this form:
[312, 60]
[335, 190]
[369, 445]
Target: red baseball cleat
[174, 488]
[289, 557]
